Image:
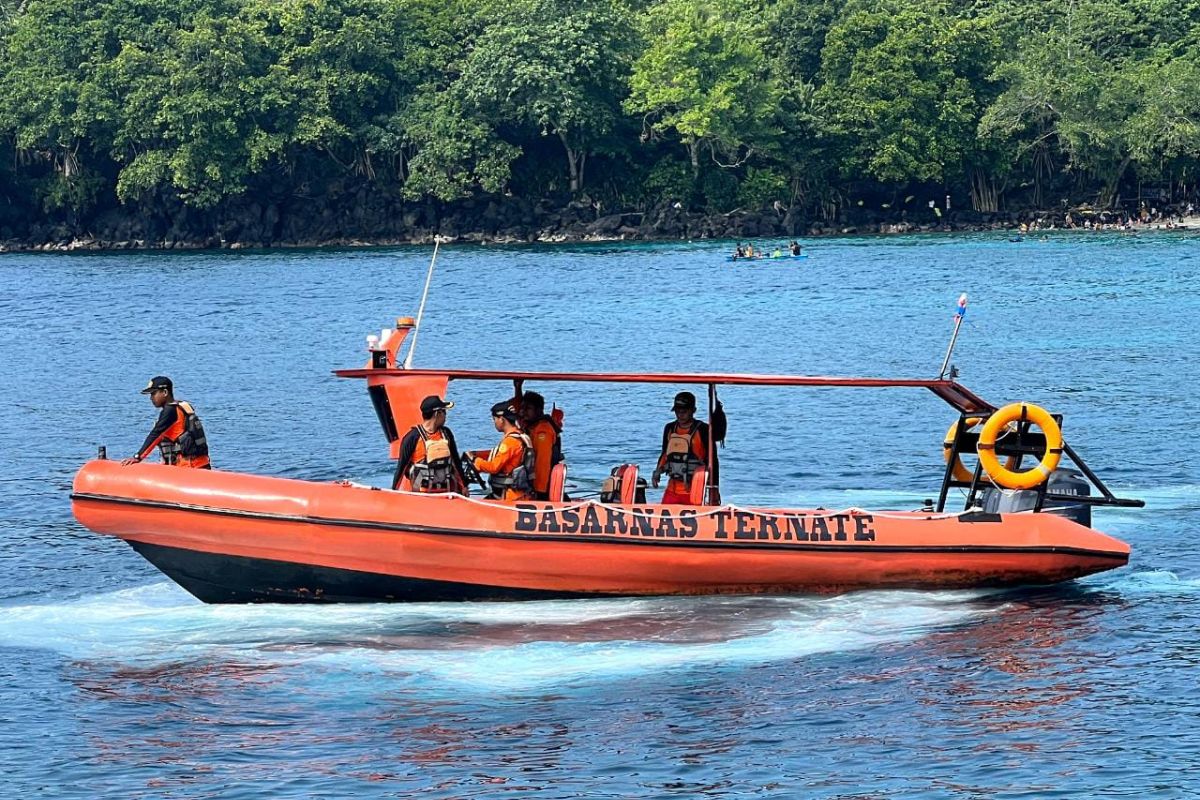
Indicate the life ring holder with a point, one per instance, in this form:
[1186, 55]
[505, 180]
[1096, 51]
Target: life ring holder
[1020, 412]
[959, 471]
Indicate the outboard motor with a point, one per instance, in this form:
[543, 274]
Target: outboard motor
[1062, 481]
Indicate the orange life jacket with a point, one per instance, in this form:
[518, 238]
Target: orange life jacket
[184, 443]
[509, 467]
[432, 467]
[546, 439]
[683, 455]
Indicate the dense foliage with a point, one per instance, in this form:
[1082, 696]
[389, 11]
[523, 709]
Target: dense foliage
[714, 104]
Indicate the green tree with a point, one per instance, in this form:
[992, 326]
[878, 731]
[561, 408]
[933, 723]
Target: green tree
[209, 108]
[1165, 124]
[335, 76]
[1098, 90]
[901, 88]
[556, 66]
[1060, 101]
[803, 26]
[455, 152]
[48, 103]
[705, 76]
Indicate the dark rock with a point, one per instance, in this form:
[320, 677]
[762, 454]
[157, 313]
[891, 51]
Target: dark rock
[606, 224]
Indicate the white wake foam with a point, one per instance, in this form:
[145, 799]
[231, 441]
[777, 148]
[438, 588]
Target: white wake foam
[485, 646]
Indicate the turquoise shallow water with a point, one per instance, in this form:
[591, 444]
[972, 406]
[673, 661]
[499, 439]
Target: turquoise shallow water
[116, 683]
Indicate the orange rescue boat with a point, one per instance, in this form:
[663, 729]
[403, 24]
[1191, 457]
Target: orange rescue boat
[230, 537]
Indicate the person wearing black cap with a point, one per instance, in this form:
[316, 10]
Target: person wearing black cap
[177, 432]
[545, 435]
[684, 450]
[428, 459]
[510, 463]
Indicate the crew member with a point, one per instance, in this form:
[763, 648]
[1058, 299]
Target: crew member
[546, 437]
[428, 459]
[794, 247]
[510, 463]
[684, 450]
[177, 432]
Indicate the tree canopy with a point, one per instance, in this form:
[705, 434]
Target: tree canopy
[812, 103]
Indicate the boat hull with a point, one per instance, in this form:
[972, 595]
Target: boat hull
[229, 537]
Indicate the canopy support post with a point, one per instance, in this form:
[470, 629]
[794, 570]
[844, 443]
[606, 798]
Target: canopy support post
[712, 445]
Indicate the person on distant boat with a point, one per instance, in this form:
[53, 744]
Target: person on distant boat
[778, 253]
[428, 459]
[739, 252]
[510, 464]
[684, 450]
[794, 248]
[177, 432]
[545, 436]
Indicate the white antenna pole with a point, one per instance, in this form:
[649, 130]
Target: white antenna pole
[421, 310]
[958, 320]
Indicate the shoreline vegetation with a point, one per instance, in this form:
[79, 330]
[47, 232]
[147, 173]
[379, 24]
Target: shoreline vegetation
[768, 228]
[186, 124]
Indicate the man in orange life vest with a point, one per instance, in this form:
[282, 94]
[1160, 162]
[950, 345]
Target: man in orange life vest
[684, 450]
[546, 438]
[177, 432]
[510, 463]
[428, 459]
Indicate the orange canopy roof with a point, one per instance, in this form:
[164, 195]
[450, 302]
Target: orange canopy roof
[952, 392]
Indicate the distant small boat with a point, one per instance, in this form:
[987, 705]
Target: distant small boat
[786, 257]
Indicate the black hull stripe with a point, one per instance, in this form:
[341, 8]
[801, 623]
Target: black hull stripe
[597, 538]
[218, 578]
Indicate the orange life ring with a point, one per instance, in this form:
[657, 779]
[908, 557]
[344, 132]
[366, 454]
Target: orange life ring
[1030, 478]
[960, 471]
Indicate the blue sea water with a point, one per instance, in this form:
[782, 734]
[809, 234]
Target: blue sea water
[116, 683]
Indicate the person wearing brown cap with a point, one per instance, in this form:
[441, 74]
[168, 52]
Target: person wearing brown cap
[510, 464]
[177, 432]
[684, 450]
[428, 459]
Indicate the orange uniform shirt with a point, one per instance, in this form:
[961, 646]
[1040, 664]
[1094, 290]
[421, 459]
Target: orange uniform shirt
[543, 435]
[505, 458]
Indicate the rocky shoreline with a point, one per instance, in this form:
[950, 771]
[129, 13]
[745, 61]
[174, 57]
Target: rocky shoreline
[254, 225]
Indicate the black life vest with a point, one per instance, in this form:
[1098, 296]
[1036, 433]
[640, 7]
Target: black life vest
[191, 441]
[434, 470]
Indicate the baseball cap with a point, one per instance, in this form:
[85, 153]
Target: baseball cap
[434, 403]
[684, 400]
[504, 409]
[158, 382]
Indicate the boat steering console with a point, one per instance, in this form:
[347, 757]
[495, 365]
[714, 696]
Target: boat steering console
[469, 472]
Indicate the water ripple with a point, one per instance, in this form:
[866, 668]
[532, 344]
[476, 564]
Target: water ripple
[119, 684]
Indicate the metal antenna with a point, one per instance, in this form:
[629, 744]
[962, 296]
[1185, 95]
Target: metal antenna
[437, 240]
[958, 320]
